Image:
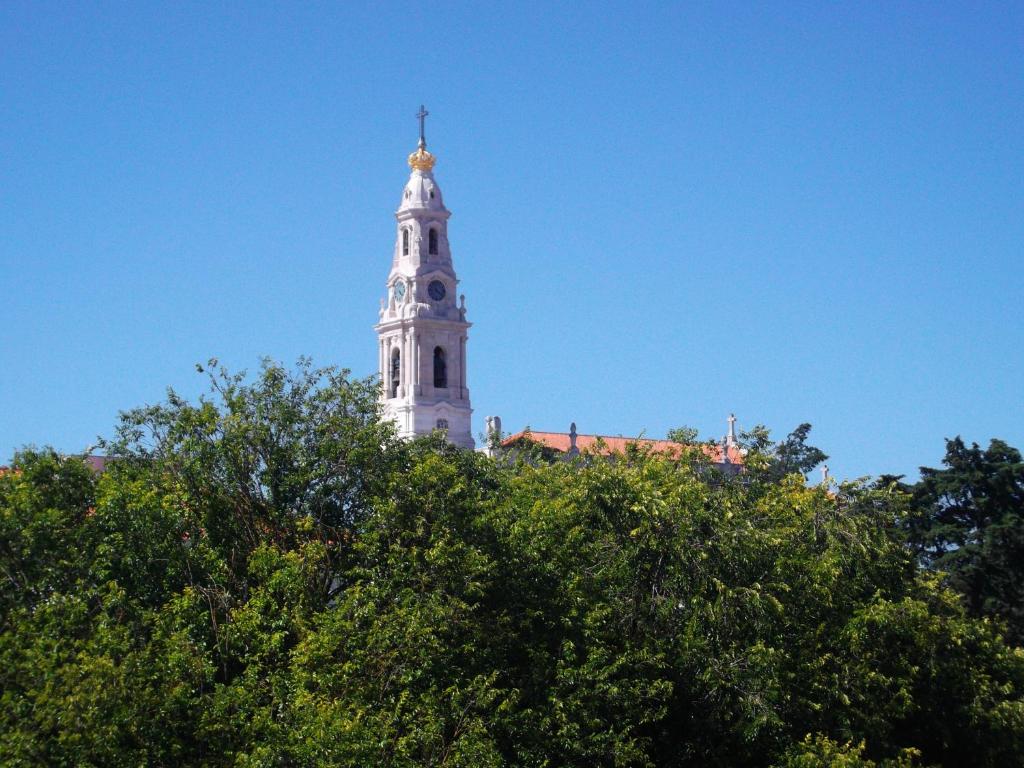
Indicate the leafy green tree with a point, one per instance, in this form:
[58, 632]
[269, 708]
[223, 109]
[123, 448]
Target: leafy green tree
[819, 751]
[685, 435]
[770, 461]
[670, 621]
[969, 522]
[293, 457]
[268, 577]
[90, 673]
[44, 499]
[399, 671]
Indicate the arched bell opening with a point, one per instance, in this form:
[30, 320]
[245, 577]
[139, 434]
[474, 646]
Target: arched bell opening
[440, 369]
[396, 373]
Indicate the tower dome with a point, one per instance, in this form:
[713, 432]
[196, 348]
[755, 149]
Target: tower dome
[421, 191]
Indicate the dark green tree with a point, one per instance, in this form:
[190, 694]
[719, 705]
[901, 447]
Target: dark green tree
[770, 461]
[969, 522]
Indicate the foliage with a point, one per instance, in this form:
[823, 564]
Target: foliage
[685, 435]
[817, 751]
[268, 577]
[771, 461]
[968, 521]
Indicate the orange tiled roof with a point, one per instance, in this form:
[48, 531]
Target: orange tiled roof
[561, 441]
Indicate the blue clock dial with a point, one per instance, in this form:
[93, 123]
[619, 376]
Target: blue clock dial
[436, 290]
[399, 291]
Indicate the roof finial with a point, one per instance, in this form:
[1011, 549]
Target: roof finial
[421, 160]
[422, 115]
[493, 437]
[730, 437]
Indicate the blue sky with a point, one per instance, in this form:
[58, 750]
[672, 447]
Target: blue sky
[661, 212]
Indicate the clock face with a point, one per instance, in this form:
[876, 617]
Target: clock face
[399, 291]
[436, 290]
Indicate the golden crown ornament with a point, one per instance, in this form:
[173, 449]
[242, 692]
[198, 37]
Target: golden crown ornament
[421, 160]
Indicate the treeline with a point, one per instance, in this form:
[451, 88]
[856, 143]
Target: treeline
[267, 577]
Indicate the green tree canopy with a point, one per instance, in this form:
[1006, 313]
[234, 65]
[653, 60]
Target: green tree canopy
[771, 461]
[969, 522]
[268, 577]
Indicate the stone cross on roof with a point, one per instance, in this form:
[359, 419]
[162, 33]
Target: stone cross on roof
[422, 115]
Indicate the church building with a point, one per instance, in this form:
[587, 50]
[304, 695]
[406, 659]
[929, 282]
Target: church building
[422, 333]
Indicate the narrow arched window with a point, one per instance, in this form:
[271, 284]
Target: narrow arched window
[432, 243]
[440, 369]
[405, 242]
[396, 372]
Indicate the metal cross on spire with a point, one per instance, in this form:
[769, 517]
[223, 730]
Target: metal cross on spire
[422, 115]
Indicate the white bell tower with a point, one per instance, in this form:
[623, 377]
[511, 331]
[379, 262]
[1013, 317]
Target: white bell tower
[422, 330]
